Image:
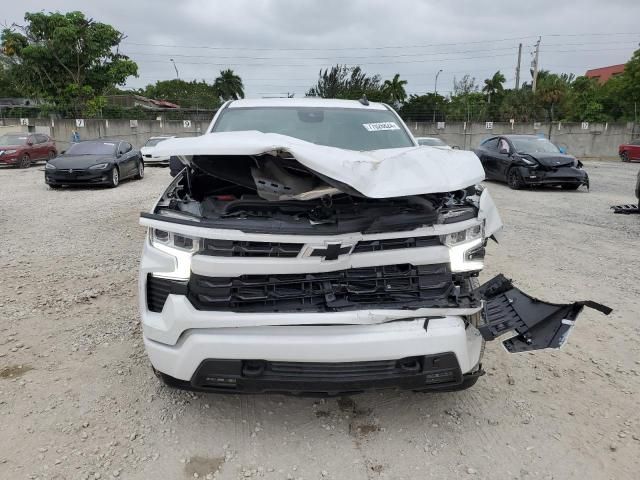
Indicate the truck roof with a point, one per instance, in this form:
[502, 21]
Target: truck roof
[309, 102]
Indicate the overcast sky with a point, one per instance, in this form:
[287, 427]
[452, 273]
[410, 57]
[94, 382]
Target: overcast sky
[278, 46]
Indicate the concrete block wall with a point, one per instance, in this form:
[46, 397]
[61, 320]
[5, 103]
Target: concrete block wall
[62, 129]
[598, 140]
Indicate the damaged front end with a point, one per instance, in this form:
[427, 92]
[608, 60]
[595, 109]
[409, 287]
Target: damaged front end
[268, 239]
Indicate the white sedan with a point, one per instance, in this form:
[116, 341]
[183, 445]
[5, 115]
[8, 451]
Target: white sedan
[432, 142]
[148, 151]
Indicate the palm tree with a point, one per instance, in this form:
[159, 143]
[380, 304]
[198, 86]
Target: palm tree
[394, 89]
[229, 85]
[494, 85]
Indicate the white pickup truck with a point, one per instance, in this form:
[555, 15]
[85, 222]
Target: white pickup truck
[312, 246]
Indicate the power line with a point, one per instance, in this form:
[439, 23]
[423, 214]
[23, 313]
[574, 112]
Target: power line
[209, 47]
[425, 54]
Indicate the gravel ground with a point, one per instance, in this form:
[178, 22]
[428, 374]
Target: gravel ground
[78, 399]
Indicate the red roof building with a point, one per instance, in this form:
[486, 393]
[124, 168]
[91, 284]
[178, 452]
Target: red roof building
[605, 73]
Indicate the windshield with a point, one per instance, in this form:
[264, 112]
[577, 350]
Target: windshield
[92, 148]
[534, 145]
[13, 140]
[152, 142]
[351, 129]
[431, 142]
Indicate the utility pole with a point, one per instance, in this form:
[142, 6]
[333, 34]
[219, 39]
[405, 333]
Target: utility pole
[435, 95]
[534, 65]
[518, 67]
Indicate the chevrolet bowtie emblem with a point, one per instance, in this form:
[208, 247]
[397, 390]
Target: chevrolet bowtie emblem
[332, 251]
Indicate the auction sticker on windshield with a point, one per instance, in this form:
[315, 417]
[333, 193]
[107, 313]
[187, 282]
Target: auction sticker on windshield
[380, 126]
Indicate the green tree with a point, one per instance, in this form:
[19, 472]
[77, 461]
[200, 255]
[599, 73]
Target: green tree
[65, 58]
[467, 107]
[494, 86]
[467, 84]
[584, 101]
[229, 85]
[422, 108]
[630, 79]
[7, 85]
[394, 90]
[518, 104]
[551, 91]
[186, 94]
[343, 81]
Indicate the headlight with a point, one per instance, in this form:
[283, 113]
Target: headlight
[528, 161]
[48, 166]
[462, 236]
[179, 246]
[466, 249]
[99, 166]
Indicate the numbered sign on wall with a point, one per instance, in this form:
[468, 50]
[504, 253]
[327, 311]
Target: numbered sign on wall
[24, 122]
[186, 123]
[585, 125]
[488, 125]
[79, 122]
[133, 123]
[440, 125]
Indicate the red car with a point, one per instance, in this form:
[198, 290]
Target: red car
[630, 151]
[21, 149]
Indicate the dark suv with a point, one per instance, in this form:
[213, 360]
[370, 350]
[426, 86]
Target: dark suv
[21, 149]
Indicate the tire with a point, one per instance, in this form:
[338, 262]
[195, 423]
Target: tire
[140, 174]
[624, 156]
[55, 187]
[514, 179]
[570, 186]
[25, 161]
[114, 178]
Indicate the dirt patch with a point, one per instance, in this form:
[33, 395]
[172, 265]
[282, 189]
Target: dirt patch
[202, 466]
[14, 371]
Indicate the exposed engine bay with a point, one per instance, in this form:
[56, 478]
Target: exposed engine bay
[244, 191]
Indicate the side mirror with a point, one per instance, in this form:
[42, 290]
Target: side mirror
[455, 147]
[62, 152]
[30, 144]
[562, 150]
[504, 151]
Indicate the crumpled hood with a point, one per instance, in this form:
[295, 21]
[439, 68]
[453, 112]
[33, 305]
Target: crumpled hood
[553, 159]
[376, 174]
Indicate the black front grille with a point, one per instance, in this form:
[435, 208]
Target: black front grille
[388, 286]
[395, 244]
[343, 371]
[233, 248]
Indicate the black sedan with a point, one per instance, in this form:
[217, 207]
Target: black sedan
[94, 162]
[529, 160]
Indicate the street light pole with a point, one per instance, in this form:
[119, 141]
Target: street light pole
[435, 88]
[175, 67]
[435, 95]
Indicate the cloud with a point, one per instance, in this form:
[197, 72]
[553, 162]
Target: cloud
[279, 46]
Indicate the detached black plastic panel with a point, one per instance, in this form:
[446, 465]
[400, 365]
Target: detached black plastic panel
[538, 324]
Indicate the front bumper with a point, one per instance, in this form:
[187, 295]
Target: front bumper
[150, 160]
[330, 344]
[558, 176]
[77, 177]
[10, 159]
